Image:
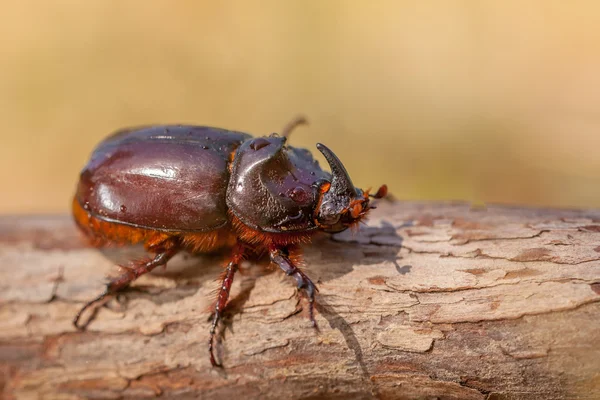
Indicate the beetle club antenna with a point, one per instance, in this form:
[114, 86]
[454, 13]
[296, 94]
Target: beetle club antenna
[381, 193]
[299, 120]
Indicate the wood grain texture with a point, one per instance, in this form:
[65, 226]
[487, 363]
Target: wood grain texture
[426, 301]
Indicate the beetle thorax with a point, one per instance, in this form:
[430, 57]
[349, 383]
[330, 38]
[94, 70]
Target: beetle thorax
[273, 187]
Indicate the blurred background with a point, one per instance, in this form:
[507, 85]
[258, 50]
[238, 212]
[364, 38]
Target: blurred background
[484, 101]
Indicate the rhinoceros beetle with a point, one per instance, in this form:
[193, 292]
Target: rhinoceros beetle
[200, 189]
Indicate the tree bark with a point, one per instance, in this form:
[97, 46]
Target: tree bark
[426, 301]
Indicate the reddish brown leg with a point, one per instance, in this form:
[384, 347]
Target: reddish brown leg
[222, 297]
[123, 280]
[281, 258]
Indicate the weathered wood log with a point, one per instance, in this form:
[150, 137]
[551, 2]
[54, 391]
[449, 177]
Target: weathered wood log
[427, 301]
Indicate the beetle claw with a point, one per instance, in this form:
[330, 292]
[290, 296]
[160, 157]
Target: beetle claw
[213, 360]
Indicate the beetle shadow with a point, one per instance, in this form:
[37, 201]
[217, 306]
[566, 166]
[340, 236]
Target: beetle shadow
[329, 257]
[188, 271]
[342, 254]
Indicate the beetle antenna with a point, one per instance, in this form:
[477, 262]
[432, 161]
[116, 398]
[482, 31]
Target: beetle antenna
[287, 130]
[381, 193]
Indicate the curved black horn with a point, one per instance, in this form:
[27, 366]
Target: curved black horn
[341, 182]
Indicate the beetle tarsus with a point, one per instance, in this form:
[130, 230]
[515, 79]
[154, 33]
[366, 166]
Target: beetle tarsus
[85, 307]
[222, 297]
[123, 280]
[281, 259]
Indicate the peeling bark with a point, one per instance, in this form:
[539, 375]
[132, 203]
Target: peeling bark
[426, 301]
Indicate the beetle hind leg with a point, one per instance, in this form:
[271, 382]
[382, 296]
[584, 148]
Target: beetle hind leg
[282, 259]
[122, 281]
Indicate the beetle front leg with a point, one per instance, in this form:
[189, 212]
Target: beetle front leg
[222, 297]
[281, 258]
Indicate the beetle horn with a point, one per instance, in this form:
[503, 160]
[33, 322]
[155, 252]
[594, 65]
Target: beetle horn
[341, 182]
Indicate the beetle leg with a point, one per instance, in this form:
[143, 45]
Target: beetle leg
[123, 280]
[222, 297]
[287, 130]
[280, 257]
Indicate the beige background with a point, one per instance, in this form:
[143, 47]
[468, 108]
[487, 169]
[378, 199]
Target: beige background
[489, 101]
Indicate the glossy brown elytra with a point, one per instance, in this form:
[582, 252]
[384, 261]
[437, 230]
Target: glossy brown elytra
[199, 189]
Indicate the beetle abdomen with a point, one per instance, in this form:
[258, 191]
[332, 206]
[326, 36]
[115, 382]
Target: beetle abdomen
[167, 178]
[102, 233]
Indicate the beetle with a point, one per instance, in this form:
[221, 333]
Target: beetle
[193, 188]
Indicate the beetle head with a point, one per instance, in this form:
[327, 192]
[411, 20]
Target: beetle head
[342, 205]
